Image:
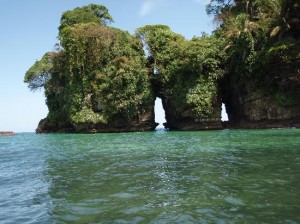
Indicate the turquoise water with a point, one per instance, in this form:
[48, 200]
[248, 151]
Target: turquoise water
[230, 176]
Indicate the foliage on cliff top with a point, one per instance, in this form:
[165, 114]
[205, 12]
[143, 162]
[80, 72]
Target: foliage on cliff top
[97, 74]
[184, 71]
[259, 36]
[91, 13]
[39, 73]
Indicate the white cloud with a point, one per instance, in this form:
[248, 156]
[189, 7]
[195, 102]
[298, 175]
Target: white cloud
[149, 6]
[146, 8]
[202, 2]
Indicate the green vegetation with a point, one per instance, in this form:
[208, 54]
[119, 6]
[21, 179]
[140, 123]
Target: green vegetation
[184, 72]
[87, 14]
[99, 73]
[261, 40]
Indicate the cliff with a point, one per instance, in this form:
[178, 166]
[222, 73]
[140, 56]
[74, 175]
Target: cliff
[103, 79]
[144, 122]
[258, 110]
[185, 119]
[269, 97]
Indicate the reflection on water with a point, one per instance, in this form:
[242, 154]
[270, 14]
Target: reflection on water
[156, 177]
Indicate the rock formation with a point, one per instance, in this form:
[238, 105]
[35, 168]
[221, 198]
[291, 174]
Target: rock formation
[144, 122]
[269, 100]
[186, 120]
[6, 133]
[103, 79]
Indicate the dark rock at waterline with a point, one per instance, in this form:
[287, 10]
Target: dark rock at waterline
[256, 109]
[6, 133]
[144, 122]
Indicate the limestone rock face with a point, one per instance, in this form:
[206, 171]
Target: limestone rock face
[257, 106]
[186, 120]
[260, 110]
[144, 122]
[45, 127]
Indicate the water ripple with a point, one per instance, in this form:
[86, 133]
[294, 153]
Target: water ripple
[152, 177]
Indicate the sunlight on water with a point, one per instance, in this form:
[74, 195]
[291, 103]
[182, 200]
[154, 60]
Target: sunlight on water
[153, 177]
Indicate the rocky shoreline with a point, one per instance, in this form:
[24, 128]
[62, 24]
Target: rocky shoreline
[6, 133]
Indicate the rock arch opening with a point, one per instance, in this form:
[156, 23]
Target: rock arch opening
[224, 115]
[160, 115]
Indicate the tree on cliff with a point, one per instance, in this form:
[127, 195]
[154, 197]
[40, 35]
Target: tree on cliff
[39, 74]
[185, 72]
[98, 73]
[87, 14]
[256, 36]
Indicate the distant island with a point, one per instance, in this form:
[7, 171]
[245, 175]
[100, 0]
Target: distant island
[103, 79]
[6, 133]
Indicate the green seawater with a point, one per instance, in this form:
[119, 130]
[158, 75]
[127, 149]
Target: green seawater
[230, 176]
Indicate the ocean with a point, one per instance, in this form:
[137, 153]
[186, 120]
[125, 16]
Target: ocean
[228, 176]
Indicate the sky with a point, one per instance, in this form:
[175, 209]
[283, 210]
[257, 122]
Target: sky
[29, 29]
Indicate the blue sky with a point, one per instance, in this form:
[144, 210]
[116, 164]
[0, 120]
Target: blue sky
[29, 29]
